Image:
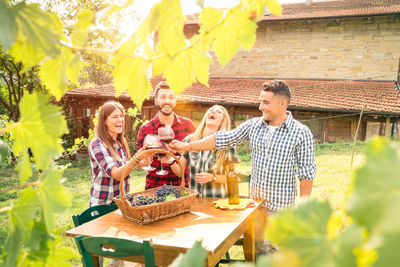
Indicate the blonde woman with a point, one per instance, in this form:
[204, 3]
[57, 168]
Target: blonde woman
[109, 155]
[206, 170]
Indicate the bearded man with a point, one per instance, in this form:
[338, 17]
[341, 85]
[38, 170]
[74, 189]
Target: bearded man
[165, 101]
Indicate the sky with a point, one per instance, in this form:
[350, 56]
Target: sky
[190, 6]
[142, 8]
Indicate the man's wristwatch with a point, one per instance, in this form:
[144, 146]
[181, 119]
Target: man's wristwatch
[214, 179]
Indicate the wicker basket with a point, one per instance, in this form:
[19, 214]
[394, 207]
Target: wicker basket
[156, 211]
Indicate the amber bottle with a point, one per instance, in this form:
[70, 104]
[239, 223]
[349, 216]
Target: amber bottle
[232, 184]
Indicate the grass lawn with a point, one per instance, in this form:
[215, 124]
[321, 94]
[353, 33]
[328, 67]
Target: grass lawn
[333, 173]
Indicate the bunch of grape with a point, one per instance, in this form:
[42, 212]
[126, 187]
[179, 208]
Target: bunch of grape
[176, 192]
[160, 199]
[143, 200]
[129, 198]
[165, 190]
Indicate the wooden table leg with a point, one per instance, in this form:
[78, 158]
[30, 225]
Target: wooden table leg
[249, 241]
[95, 260]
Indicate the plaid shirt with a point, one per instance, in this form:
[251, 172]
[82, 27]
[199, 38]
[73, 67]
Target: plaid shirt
[275, 158]
[182, 127]
[203, 161]
[104, 187]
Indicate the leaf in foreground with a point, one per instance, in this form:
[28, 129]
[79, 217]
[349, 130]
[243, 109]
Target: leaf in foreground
[53, 196]
[375, 200]
[40, 126]
[303, 231]
[194, 257]
[20, 216]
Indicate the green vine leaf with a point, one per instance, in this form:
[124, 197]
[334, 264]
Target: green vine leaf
[56, 72]
[39, 128]
[13, 244]
[170, 21]
[53, 197]
[4, 151]
[228, 42]
[80, 31]
[303, 231]
[7, 17]
[388, 252]
[138, 86]
[274, 7]
[38, 35]
[188, 67]
[52, 254]
[375, 200]
[20, 216]
[194, 257]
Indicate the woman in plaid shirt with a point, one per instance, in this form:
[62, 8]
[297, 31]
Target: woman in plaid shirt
[206, 170]
[109, 155]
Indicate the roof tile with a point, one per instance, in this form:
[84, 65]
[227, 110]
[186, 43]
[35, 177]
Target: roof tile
[326, 9]
[377, 96]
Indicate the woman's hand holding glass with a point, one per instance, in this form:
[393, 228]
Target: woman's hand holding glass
[151, 142]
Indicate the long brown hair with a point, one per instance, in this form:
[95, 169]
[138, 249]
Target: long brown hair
[102, 132]
[225, 125]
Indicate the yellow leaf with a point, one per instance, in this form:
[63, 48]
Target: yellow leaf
[38, 35]
[80, 30]
[187, 67]
[227, 42]
[365, 257]
[137, 85]
[56, 72]
[335, 224]
[170, 21]
[274, 7]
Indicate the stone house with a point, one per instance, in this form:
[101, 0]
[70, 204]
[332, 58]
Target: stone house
[340, 58]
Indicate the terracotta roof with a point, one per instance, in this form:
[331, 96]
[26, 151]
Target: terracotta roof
[330, 9]
[324, 95]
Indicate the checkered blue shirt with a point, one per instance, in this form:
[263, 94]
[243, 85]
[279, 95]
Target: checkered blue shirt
[276, 158]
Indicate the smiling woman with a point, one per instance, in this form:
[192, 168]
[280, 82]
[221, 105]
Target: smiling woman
[109, 155]
[206, 170]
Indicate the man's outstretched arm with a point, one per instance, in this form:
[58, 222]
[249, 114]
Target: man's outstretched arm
[207, 143]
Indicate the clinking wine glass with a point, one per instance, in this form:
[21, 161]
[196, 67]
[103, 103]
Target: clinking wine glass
[165, 135]
[153, 143]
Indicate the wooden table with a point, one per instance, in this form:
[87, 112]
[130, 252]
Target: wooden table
[218, 229]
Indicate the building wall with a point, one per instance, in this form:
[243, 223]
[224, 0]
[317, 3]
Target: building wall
[345, 48]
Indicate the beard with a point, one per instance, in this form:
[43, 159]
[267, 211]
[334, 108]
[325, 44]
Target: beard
[163, 112]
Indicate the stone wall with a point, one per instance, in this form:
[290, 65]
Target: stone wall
[345, 48]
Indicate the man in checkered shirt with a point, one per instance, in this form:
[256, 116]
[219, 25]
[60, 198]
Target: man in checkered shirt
[281, 148]
[165, 101]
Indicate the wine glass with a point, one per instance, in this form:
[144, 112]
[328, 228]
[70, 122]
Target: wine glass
[165, 135]
[152, 141]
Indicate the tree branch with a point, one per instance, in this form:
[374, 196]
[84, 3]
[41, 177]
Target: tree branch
[19, 186]
[5, 209]
[9, 107]
[3, 130]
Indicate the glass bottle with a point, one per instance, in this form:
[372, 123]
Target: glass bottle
[232, 183]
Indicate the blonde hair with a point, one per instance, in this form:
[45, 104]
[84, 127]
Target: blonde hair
[225, 125]
[102, 132]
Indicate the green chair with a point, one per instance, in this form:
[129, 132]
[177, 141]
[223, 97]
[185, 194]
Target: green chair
[115, 248]
[243, 179]
[92, 213]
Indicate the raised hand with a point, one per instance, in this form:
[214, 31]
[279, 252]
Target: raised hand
[144, 154]
[177, 146]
